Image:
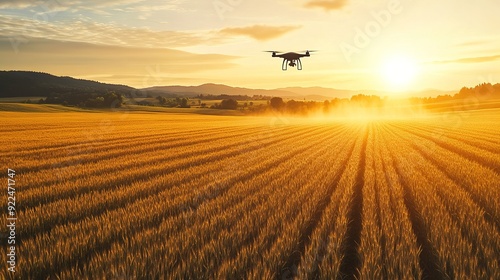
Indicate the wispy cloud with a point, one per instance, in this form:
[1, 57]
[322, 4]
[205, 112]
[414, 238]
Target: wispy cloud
[18, 4]
[144, 11]
[142, 8]
[260, 32]
[326, 4]
[85, 30]
[479, 59]
[70, 4]
[88, 31]
[473, 43]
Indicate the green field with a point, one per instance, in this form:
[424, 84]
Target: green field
[126, 109]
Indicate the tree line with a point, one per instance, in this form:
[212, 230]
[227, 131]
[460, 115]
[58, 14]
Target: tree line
[85, 99]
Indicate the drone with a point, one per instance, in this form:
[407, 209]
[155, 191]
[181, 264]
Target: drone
[291, 59]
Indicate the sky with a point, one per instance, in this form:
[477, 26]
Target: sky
[384, 45]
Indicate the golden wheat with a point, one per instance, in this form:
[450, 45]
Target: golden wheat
[165, 196]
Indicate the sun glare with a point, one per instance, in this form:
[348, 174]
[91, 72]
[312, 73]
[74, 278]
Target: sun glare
[399, 71]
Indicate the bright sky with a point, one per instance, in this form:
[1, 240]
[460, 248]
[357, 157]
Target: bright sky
[391, 45]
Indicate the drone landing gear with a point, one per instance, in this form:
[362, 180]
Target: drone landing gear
[284, 65]
[286, 62]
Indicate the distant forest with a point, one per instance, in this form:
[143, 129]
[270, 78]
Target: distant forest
[62, 90]
[484, 91]
[464, 99]
[84, 93]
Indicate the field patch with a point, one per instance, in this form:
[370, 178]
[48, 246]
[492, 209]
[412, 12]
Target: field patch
[146, 195]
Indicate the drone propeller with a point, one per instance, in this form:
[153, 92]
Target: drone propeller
[273, 51]
[310, 51]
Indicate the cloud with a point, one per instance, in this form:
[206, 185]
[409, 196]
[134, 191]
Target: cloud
[70, 4]
[84, 59]
[326, 4]
[146, 11]
[18, 4]
[479, 59]
[98, 7]
[473, 43]
[85, 30]
[88, 31]
[260, 32]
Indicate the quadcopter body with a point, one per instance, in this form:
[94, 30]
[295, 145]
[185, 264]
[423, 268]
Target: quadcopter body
[291, 59]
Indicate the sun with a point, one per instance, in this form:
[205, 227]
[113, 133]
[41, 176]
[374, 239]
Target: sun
[399, 71]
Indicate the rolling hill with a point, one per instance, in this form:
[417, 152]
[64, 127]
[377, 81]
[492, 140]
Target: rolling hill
[25, 83]
[29, 84]
[216, 89]
[297, 93]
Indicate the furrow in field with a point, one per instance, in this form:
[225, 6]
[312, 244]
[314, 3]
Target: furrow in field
[351, 262]
[337, 240]
[460, 254]
[73, 136]
[472, 153]
[271, 264]
[431, 266]
[89, 154]
[48, 194]
[399, 244]
[490, 209]
[103, 163]
[474, 139]
[372, 243]
[80, 141]
[285, 255]
[477, 138]
[101, 200]
[205, 252]
[252, 250]
[471, 177]
[90, 244]
[466, 214]
[214, 249]
[294, 259]
[318, 242]
[230, 199]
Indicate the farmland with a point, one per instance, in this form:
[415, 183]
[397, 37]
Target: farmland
[117, 195]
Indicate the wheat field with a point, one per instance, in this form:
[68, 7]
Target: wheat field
[184, 196]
